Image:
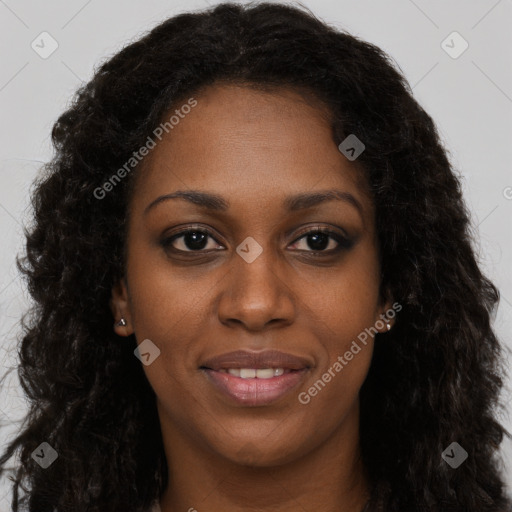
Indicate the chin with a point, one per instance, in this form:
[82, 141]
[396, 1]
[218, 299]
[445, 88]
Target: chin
[258, 455]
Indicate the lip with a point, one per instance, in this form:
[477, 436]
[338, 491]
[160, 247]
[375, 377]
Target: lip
[255, 392]
[257, 360]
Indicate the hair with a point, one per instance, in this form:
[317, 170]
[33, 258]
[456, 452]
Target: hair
[435, 378]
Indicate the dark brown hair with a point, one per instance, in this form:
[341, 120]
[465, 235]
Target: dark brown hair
[434, 379]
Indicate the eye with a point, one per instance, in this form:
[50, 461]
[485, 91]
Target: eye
[319, 240]
[191, 240]
[322, 240]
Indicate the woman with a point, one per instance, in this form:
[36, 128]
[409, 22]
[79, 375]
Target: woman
[269, 219]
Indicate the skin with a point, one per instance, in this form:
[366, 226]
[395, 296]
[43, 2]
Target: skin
[254, 149]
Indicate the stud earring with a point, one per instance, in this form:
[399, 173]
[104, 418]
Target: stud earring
[388, 325]
[121, 323]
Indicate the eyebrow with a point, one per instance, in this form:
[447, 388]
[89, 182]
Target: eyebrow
[215, 202]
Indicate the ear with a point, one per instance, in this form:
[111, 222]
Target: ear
[120, 307]
[386, 313]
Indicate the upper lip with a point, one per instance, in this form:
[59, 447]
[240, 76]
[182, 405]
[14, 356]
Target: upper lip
[257, 360]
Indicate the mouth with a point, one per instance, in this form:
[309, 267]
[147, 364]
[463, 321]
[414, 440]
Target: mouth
[255, 373]
[252, 391]
[255, 378]
[264, 360]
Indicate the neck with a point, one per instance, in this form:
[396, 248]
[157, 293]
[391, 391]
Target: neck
[328, 478]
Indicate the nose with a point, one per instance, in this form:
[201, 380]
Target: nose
[256, 295]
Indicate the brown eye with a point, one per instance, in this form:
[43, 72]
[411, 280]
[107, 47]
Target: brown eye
[322, 240]
[191, 240]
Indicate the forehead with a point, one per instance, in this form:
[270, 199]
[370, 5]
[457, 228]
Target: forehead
[248, 144]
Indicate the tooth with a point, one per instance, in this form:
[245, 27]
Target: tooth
[266, 373]
[251, 373]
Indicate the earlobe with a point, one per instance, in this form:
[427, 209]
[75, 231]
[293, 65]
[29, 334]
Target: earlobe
[387, 315]
[120, 307]
[383, 323]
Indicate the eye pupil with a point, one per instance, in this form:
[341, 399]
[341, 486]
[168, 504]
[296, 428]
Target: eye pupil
[195, 240]
[318, 241]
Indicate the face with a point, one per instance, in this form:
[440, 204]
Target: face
[264, 262]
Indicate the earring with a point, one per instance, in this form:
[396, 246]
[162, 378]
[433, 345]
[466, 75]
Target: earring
[121, 323]
[388, 325]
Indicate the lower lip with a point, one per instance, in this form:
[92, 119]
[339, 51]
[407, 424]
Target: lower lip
[254, 392]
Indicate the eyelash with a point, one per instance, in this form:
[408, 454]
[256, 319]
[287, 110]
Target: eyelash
[344, 243]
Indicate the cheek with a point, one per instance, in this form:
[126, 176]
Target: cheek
[347, 300]
[170, 314]
[342, 312]
[163, 300]
[330, 396]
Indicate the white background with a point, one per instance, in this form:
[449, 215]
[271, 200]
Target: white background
[469, 97]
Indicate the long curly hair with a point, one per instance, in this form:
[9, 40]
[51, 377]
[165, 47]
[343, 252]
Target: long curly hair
[434, 379]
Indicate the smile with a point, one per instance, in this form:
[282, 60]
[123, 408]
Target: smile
[255, 373]
[255, 387]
